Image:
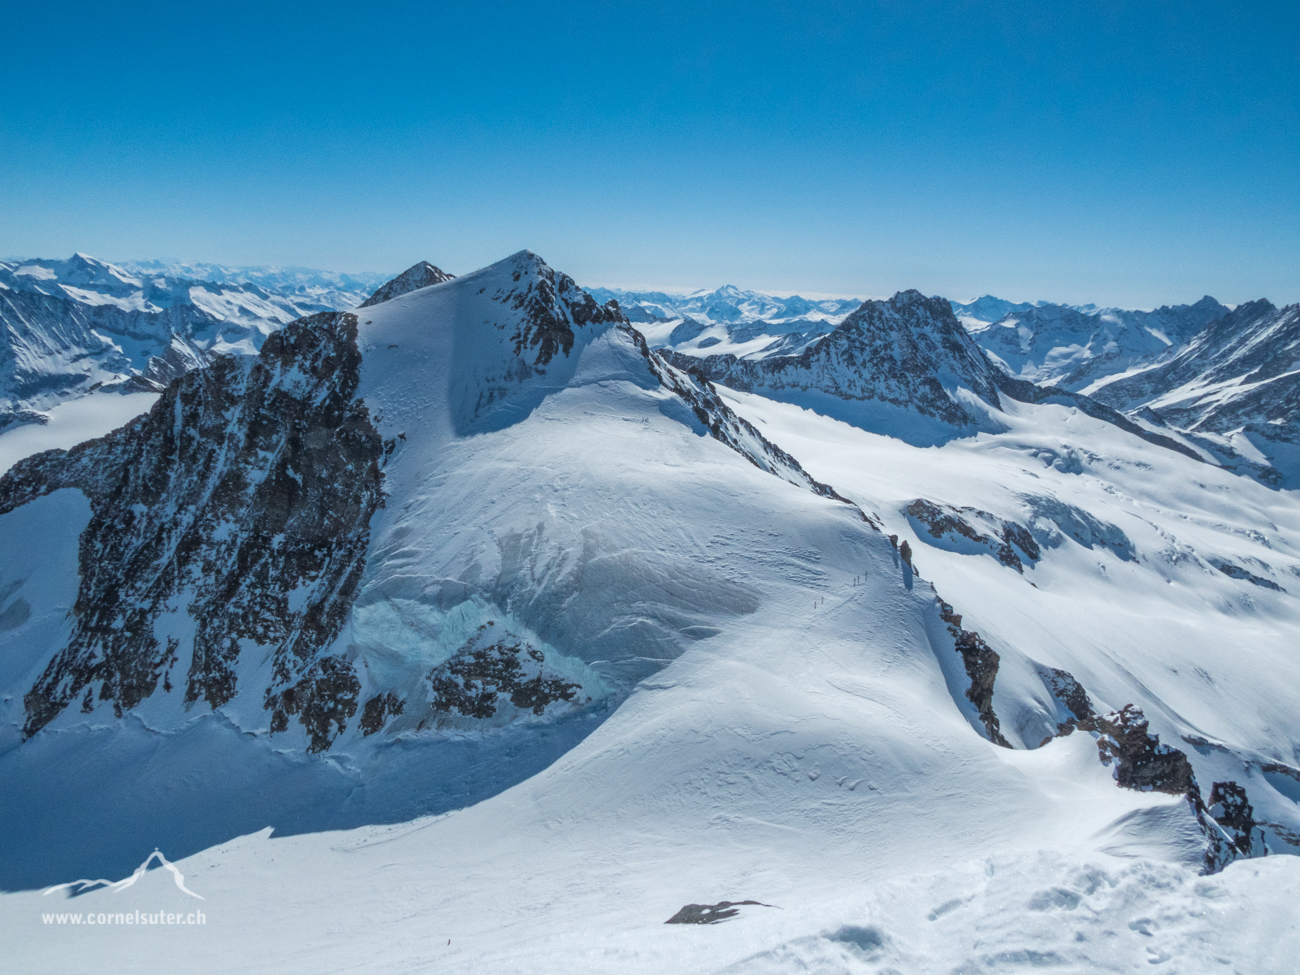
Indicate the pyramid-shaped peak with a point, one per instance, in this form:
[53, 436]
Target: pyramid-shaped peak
[415, 277]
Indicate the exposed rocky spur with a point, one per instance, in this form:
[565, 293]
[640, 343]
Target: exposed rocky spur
[235, 513]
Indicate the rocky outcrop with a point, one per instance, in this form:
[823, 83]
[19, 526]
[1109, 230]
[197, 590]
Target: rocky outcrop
[68, 328]
[415, 277]
[1245, 575]
[981, 662]
[235, 513]
[1231, 809]
[1142, 763]
[1238, 378]
[551, 305]
[493, 668]
[711, 913]
[949, 527]
[1070, 347]
[910, 353]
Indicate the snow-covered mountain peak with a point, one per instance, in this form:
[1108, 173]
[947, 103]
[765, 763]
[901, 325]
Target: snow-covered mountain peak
[908, 357]
[421, 275]
[498, 339]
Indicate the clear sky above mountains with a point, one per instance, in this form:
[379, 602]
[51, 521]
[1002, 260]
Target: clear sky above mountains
[1122, 153]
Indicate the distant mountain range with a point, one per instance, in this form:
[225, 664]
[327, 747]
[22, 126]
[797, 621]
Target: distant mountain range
[79, 325]
[1218, 379]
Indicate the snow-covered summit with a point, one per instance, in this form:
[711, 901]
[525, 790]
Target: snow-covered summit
[417, 276]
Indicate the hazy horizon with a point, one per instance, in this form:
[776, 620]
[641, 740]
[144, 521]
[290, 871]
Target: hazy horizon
[1126, 154]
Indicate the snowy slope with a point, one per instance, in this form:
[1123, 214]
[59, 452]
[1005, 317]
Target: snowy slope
[624, 637]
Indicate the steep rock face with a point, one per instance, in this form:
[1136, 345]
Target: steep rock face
[981, 662]
[416, 276]
[1254, 342]
[54, 348]
[234, 514]
[909, 355]
[551, 306]
[493, 670]
[909, 352]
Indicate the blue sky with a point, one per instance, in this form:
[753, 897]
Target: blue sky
[1125, 153]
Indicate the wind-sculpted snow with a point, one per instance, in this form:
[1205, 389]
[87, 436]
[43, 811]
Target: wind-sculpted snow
[1128, 544]
[236, 514]
[723, 424]
[647, 642]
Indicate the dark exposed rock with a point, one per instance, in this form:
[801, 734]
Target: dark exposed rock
[1232, 810]
[1141, 762]
[1071, 347]
[940, 521]
[1070, 693]
[896, 352]
[481, 675]
[12, 418]
[325, 698]
[243, 500]
[981, 663]
[377, 711]
[181, 357]
[552, 304]
[1245, 575]
[711, 913]
[415, 277]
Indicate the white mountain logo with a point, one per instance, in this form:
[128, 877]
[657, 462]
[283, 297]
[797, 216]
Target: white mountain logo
[81, 886]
